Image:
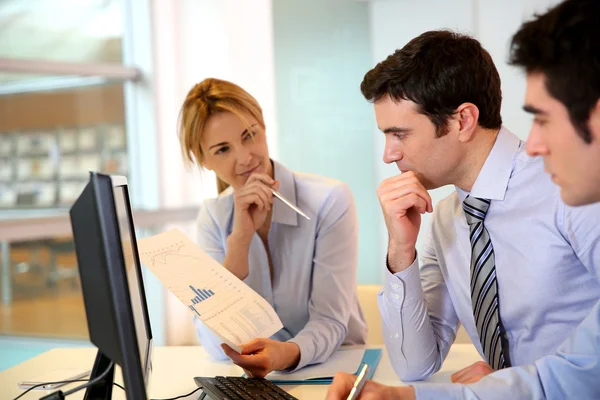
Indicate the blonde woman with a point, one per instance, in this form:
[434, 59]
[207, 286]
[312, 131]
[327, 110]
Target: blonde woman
[305, 269]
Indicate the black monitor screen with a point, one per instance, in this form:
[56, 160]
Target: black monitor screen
[133, 280]
[112, 285]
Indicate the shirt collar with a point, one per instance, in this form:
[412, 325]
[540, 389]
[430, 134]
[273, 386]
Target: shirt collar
[283, 214]
[492, 181]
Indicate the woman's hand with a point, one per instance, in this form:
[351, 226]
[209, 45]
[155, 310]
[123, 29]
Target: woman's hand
[261, 356]
[252, 203]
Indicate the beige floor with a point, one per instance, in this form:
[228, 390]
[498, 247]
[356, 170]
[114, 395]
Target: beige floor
[60, 315]
[39, 309]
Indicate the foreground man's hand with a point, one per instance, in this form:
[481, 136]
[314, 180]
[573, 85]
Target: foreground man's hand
[342, 385]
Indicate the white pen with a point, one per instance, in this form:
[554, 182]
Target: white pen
[359, 383]
[287, 202]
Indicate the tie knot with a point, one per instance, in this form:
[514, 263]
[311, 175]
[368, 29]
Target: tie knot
[475, 209]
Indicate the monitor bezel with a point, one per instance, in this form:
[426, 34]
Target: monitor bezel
[119, 181]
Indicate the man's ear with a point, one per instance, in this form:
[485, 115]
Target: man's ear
[594, 121]
[467, 116]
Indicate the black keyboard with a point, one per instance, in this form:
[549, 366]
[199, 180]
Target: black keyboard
[235, 387]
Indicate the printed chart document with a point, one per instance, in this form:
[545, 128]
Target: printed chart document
[225, 304]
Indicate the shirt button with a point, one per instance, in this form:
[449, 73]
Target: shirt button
[396, 335]
[395, 286]
[506, 335]
[396, 296]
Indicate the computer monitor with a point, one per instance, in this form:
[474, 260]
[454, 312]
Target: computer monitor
[112, 285]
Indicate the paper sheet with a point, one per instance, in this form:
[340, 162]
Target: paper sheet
[225, 304]
[341, 361]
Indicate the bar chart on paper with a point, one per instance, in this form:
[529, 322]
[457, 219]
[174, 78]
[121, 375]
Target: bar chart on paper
[201, 295]
[224, 303]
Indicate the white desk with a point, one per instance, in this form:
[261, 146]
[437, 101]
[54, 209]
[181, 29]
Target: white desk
[175, 367]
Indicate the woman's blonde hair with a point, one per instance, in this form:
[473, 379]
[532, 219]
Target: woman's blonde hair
[205, 99]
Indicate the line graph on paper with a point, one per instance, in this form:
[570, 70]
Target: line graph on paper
[161, 256]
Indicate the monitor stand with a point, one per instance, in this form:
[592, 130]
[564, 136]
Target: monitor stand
[103, 389]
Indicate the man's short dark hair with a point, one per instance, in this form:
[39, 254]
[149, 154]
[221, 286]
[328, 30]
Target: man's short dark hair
[564, 45]
[438, 71]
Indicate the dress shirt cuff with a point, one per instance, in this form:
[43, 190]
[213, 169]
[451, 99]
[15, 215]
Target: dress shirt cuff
[307, 351]
[403, 288]
[436, 391]
[210, 341]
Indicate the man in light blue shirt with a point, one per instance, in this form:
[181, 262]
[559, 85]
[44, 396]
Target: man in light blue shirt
[504, 256]
[561, 54]
[544, 256]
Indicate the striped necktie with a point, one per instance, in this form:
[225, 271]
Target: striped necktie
[484, 287]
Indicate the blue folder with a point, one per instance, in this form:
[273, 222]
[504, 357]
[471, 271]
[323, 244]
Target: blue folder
[371, 357]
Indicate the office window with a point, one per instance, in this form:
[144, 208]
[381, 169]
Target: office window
[51, 139]
[62, 30]
[68, 84]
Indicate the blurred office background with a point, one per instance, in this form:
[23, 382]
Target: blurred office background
[97, 85]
